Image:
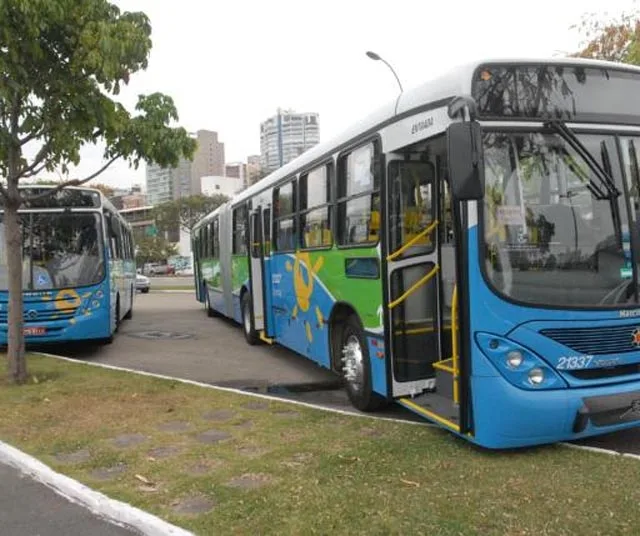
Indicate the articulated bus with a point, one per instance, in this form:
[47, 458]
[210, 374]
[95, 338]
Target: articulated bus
[469, 251]
[78, 267]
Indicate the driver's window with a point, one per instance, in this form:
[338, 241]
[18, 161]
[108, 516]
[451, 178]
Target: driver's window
[412, 205]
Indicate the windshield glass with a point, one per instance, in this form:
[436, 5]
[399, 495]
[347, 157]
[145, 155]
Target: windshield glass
[550, 238]
[59, 251]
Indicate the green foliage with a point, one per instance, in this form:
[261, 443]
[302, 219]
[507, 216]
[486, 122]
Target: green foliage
[616, 39]
[61, 61]
[185, 212]
[153, 249]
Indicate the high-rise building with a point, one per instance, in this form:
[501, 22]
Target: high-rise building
[253, 169]
[286, 136]
[168, 184]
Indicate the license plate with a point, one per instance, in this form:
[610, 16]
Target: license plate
[31, 331]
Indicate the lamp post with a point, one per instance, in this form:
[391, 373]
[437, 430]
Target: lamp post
[377, 57]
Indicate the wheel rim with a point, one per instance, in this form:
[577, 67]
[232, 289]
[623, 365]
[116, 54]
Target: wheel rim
[247, 319]
[353, 363]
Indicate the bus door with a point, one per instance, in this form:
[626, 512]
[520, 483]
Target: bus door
[256, 241]
[420, 337]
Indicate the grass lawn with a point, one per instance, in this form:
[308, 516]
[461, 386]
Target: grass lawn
[261, 467]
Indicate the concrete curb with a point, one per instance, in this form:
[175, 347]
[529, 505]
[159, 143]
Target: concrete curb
[116, 512]
[176, 291]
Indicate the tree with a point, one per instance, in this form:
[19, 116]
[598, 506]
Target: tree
[616, 39]
[105, 189]
[62, 62]
[153, 249]
[185, 212]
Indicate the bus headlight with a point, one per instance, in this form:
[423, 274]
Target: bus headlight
[514, 359]
[536, 376]
[519, 365]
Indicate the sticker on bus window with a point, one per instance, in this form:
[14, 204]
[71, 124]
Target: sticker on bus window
[510, 215]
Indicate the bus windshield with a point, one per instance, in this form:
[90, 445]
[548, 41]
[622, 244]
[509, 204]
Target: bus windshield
[552, 235]
[59, 251]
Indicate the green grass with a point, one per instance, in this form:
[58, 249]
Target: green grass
[323, 473]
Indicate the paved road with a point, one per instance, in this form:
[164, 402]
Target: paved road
[215, 352]
[28, 508]
[168, 282]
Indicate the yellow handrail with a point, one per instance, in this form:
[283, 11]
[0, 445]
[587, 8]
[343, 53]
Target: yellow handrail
[454, 342]
[410, 243]
[413, 287]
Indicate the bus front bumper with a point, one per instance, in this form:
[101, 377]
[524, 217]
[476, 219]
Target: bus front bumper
[82, 327]
[505, 416]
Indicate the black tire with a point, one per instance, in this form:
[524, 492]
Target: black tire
[357, 373]
[249, 331]
[144, 290]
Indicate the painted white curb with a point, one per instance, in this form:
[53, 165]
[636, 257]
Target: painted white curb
[171, 291]
[600, 450]
[117, 512]
[236, 391]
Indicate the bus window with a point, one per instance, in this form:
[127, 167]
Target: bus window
[315, 215]
[358, 197]
[284, 203]
[239, 230]
[412, 204]
[216, 239]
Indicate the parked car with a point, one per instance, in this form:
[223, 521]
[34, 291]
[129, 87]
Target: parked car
[143, 283]
[158, 269]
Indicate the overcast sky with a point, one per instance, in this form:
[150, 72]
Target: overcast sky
[229, 64]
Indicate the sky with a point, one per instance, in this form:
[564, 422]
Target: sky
[229, 64]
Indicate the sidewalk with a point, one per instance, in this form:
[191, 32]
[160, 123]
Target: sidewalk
[28, 508]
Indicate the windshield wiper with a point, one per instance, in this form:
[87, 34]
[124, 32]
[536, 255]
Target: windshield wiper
[605, 178]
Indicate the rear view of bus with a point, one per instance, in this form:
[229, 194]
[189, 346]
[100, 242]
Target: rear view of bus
[77, 268]
[552, 306]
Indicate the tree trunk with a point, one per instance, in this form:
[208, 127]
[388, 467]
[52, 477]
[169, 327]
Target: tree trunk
[13, 236]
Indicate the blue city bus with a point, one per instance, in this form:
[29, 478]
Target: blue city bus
[78, 267]
[469, 251]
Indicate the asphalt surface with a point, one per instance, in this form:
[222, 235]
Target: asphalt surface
[213, 350]
[28, 508]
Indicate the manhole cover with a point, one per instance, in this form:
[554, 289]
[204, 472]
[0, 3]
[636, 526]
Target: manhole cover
[160, 335]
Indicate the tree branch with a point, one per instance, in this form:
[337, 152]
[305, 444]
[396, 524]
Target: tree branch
[30, 137]
[74, 182]
[42, 154]
[35, 171]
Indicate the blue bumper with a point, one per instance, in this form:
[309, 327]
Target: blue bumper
[505, 416]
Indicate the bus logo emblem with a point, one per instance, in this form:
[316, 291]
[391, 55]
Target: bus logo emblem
[635, 337]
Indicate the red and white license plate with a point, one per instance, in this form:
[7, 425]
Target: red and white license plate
[31, 331]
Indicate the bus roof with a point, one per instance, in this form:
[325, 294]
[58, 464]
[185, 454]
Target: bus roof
[456, 81]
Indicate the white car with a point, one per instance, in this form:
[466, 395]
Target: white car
[143, 283]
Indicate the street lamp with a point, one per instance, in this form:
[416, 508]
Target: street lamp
[376, 57]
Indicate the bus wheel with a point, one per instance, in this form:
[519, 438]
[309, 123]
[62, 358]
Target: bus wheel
[247, 324]
[356, 368]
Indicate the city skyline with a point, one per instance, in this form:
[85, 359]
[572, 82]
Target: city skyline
[332, 77]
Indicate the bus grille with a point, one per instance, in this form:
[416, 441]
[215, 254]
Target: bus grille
[596, 341]
[31, 316]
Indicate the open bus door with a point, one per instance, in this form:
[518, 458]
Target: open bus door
[421, 292]
[259, 246]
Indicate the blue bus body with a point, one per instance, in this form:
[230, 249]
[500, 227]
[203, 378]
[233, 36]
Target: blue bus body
[55, 309]
[489, 284]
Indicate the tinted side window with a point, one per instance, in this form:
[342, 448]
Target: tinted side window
[284, 203]
[315, 208]
[359, 196]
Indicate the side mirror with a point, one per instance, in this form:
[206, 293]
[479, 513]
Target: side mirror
[466, 164]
